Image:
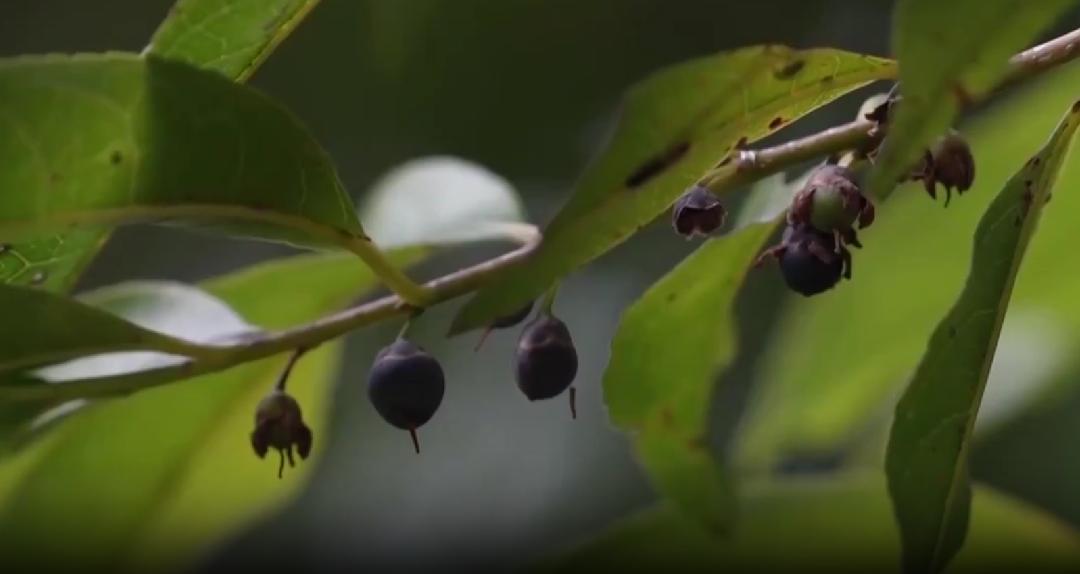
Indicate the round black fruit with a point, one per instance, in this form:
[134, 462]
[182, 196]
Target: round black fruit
[406, 385]
[546, 359]
[810, 262]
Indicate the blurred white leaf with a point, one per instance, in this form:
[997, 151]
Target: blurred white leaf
[176, 309]
[437, 200]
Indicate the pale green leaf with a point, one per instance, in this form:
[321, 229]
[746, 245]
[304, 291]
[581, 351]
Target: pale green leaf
[825, 525]
[927, 456]
[154, 480]
[665, 358]
[232, 37]
[159, 141]
[818, 395]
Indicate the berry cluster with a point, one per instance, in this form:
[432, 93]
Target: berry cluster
[406, 383]
[813, 253]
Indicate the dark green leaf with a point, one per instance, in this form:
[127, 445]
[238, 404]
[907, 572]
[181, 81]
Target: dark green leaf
[675, 126]
[834, 525]
[818, 396]
[950, 53]
[233, 37]
[664, 361]
[927, 456]
[159, 141]
[152, 481]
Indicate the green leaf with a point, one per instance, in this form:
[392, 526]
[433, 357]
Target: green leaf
[675, 126]
[818, 396]
[233, 37]
[665, 357]
[43, 328]
[824, 525]
[159, 141]
[154, 480]
[50, 263]
[927, 456]
[437, 200]
[950, 53]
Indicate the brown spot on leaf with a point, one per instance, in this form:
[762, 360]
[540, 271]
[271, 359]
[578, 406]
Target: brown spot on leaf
[671, 297]
[667, 416]
[657, 165]
[828, 79]
[952, 332]
[742, 143]
[789, 70]
[963, 97]
[776, 122]
[698, 443]
[1076, 106]
[116, 157]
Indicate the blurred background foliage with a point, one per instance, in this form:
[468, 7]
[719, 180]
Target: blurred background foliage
[528, 88]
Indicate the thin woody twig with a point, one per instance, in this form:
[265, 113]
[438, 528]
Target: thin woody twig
[748, 166]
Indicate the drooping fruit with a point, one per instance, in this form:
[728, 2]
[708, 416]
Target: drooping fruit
[279, 424]
[406, 386]
[697, 213]
[811, 261]
[546, 361]
[831, 202]
[949, 163]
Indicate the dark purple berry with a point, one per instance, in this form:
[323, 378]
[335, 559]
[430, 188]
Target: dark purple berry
[546, 359]
[811, 262]
[406, 386]
[279, 424]
[697, 213]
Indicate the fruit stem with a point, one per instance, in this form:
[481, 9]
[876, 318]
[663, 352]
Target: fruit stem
[415, 439]
[284, 376]
[483, 337]
[549, 299]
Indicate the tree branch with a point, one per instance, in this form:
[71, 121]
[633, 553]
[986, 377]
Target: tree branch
[748, 166]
